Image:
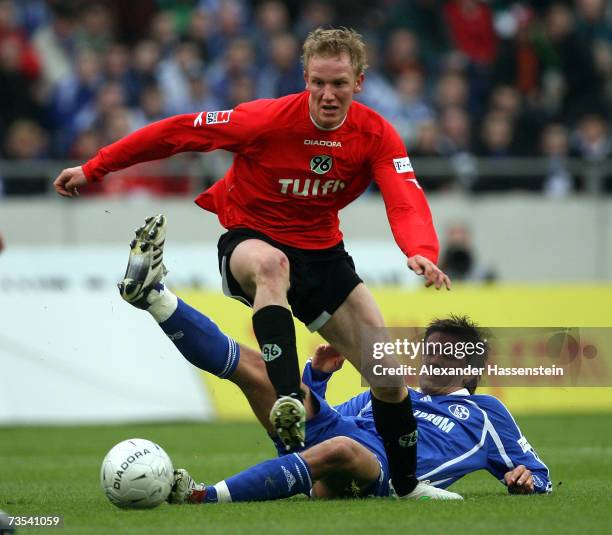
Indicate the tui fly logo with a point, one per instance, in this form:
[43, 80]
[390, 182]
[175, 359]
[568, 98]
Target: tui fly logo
[321, 164]
[309, 187]
[213, 117]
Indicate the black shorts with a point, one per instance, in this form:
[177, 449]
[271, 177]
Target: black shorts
[320, 279]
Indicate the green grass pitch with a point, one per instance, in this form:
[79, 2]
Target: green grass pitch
[56, 470]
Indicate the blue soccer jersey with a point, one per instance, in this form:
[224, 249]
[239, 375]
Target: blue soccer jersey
[458, 434]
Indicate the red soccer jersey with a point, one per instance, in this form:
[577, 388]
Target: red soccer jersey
[289, 177]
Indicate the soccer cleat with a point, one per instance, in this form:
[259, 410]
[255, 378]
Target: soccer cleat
[425, 491]
[185, 489]
[145, 266]
[288, 416]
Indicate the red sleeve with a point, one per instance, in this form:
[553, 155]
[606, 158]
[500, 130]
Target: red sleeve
[405, 202]
[232, 130]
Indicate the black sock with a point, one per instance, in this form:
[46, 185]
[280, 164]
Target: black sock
[397, 427]
[275, 332]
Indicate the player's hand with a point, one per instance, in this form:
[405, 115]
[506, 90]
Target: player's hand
[327, 359]
[432, 273]
[519, 480]
[69, 180]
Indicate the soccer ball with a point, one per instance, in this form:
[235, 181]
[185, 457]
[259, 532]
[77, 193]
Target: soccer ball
[5, 527]
[137, 473]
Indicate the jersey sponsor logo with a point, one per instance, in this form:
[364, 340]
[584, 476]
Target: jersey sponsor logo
[322, 143]
[321, 164]
[213, 117]
[441, 422]
[403, 165]
[537, 482]
[525, 446]
[309, 187]
[270, 352]
[459, 411]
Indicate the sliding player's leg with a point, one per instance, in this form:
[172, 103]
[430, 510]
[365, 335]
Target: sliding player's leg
[340, 467]
[196, 336]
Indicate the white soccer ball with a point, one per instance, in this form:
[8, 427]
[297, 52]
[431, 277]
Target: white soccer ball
[137, 473]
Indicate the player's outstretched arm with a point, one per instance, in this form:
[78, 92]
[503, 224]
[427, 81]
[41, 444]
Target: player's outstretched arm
[433, 274]
[69, 180]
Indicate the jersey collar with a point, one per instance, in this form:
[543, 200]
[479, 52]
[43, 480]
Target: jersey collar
[462, 392]
[327, 129]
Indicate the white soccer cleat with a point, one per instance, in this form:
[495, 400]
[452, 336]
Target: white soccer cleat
[185, 489]
[425, 491]
[145, 266]
[288, 417]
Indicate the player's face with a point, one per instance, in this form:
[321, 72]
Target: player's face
[441, 384]
[332, 83]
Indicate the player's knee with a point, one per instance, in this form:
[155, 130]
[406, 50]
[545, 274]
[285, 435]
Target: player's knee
[340, 454]
[271, 267]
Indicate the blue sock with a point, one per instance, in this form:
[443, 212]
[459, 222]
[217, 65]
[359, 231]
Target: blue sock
[201, 342]
[271, 480]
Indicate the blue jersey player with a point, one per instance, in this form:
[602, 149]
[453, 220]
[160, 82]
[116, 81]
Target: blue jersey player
[459, 432]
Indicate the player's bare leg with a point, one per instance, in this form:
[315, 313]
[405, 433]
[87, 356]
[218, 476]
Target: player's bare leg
[341, 468]
[263, 273]
[358, 322]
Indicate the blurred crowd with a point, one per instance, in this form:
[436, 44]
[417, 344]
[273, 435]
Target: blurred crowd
[458, 78]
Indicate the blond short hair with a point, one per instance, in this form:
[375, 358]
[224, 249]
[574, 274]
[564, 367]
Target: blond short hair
[333, 42]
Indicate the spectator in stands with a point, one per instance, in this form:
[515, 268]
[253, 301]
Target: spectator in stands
[101, 113]
[401, 54]
[451, 91]
[199, 32]
[428, 145]
[471, 28]
[507, 100]
[237, 62]
[116, 67]
[455, 144]
[518, 62]
[73, 96]
[164, 33]
[413, 109]
[591, 140]
[175, 73]
[18, 99]
[424, 19]
[594, 20]
[143, 68]
[273, 20]
[55, 44]
[554, 145]
[96, 29]
[26, 141]
[574, 60]
[378, 93]
[455, 131]
[315, 14]
[283, 74]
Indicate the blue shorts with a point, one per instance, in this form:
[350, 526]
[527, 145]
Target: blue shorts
[328, 423]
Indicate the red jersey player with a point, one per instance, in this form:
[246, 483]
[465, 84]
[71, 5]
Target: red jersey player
[299, 160]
